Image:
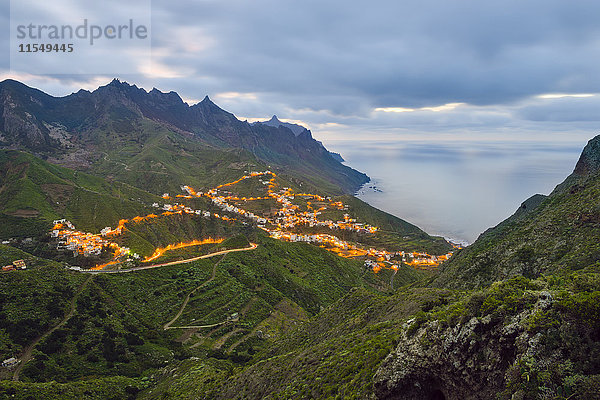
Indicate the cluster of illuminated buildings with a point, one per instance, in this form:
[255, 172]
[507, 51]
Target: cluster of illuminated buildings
[85, 243]
[289, 216]
[277, 224]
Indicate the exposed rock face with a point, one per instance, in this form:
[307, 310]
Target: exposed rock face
[337, 156]
[26, 129]
[276, 123]
[22, 125]
[589, 162]
[454, 363]
[470, 361]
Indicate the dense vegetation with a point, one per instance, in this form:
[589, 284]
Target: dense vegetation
[112, 325]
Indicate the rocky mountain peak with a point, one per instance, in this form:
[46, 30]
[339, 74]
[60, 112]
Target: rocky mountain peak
[26, 113]
[208, 104]
[116, 86]
[276, 123]
[589, 161]
[117, 83]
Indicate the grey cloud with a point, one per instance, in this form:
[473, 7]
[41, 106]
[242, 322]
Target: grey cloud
[400, 53]
[336, 61]
[4, 35]
[563, 110]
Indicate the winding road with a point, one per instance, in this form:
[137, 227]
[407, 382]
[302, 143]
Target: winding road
[189, 260]
[187, 299]
[28, 351]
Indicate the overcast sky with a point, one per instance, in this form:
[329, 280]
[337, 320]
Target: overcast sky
[472, 70]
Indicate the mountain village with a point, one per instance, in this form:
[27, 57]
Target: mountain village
[279, 224]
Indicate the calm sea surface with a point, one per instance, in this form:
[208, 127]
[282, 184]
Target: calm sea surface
[456, 190]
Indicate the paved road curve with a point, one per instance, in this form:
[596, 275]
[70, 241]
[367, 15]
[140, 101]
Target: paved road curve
[189, 260]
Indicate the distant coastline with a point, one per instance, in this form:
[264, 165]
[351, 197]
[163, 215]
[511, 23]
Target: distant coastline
[452, 189]
[370, 186]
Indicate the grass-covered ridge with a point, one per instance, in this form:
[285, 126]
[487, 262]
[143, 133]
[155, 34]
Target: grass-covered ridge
[33, 193]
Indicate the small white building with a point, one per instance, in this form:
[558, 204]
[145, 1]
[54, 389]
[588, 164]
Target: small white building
[10, 362]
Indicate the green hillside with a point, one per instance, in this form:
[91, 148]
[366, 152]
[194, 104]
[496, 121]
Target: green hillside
[513, 316]
[113, 324]
[33, 193]
[158, 160]
[442, 340]
[198, 300]
[334, 355]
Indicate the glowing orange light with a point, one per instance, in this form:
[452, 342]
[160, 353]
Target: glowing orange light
[161, 250]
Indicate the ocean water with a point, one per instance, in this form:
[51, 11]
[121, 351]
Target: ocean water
[456, 189]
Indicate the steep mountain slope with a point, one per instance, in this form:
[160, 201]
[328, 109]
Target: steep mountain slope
[33, 193]
[276, 123]
[297, 130]
[66, 327]
[547, 235]
[517, 339]
[105, 129]
[334, 355]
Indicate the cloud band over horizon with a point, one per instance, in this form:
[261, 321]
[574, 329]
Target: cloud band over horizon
[388, 67]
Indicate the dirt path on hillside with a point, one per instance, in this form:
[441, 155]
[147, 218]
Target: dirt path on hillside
[187, 299]
[29, 349]
[221, 341]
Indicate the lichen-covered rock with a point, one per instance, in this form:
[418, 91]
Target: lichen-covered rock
[513, 352]
[467, 361]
